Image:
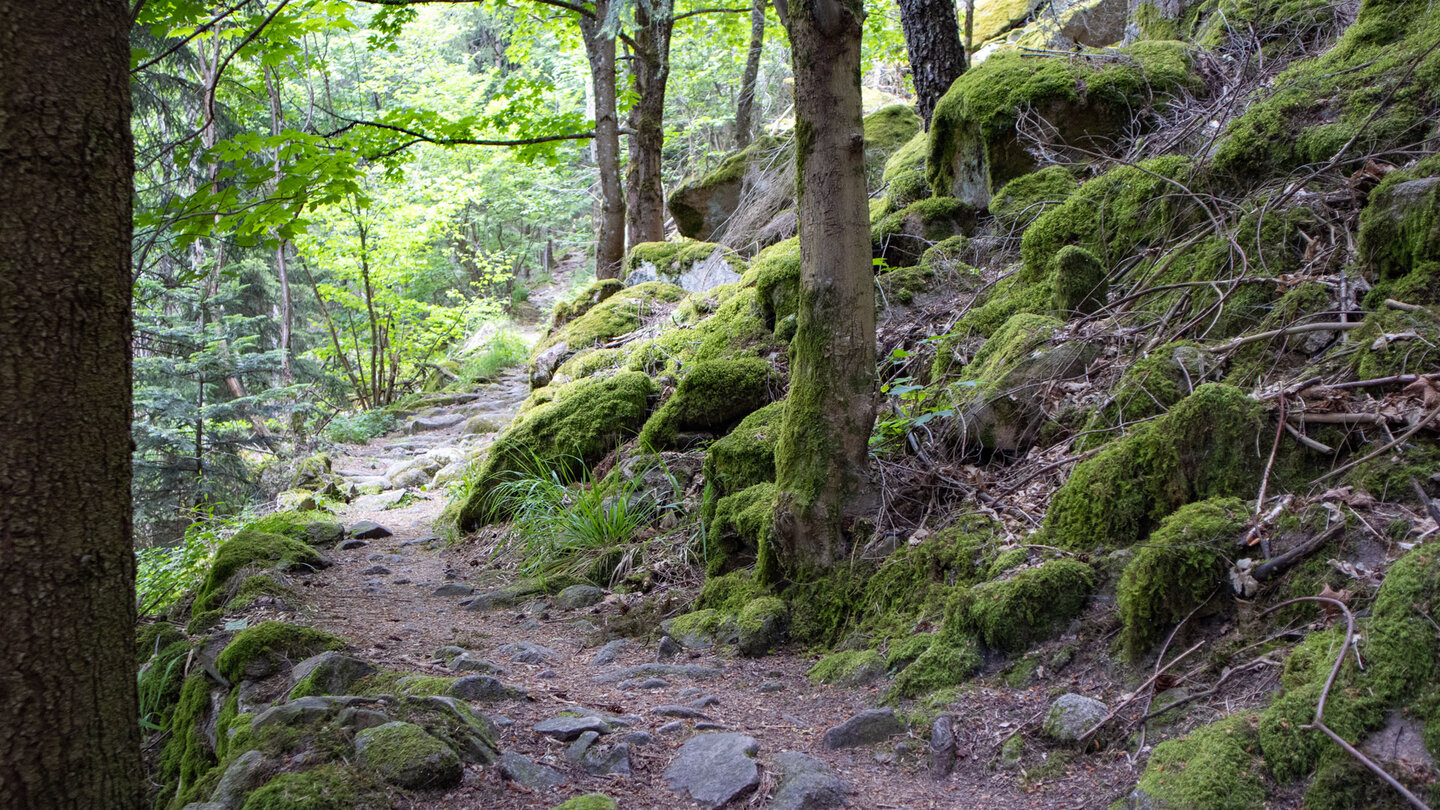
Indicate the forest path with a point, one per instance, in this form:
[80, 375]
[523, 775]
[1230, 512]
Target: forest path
[382, 596]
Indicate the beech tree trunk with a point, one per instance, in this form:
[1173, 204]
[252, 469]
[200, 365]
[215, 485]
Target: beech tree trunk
[937, 57]
[610, 235]
[67, 567]
[654, 20]
[744, 107]
[823, 451]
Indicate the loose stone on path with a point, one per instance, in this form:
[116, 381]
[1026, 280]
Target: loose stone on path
[713, 769]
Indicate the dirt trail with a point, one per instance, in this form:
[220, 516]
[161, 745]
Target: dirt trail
[382, 598]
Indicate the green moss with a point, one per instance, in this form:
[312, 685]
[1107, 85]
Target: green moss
[258, 587]
[1113, 215]
[1150, 385]
[911, 587]
[265, 648]
[697, 624]
[1400, 236]
[1008, 297]
[974, 123]
[906, 188]
[1153, 24]
[1215, 767]
[591, 362]
[1388, 477]
[585, 420]
[328, 787]
[904, 651]
[590, 801]
[1006, 560]
[847, 667]
[187, 754]
[672, 259]
[948, 662]
[711, 395]
[313, 527]
[251, 549]
[1079, 282]
[621, 313]
[743, 458]
[737, 328]
[151, 638]
[407, 755]
[1381, 356]
[900, 285]
[775, 274]
[763, 623]
[908, 158]
[1375, 90]
[202, 621]
[584, 301]
[903, 237]
[1009, 614]
[730, 593]
[740, 526]
[161, 679]
[1180, 567]
[1206, 446]
[1022, 200]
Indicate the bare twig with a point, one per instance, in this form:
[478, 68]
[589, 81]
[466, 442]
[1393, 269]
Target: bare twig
[1271, 568]
[1430, 506]
[1143, 687]
[1383, 449]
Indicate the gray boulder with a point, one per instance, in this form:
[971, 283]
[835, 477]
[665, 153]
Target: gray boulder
[607, 654]
[248, 772]
[865, 728]
[483, 688]
[528, 652]
[368, 530]
[531, 774]
[598, 760]
[569, 727]
[806, 783]
[330, 673]
[1071, 715]
[578, 596]
[713, 769]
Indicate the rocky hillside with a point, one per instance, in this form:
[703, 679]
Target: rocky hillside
[1157, 453]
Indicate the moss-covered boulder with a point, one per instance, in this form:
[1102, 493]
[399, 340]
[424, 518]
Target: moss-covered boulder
[712, 395]
[1149, 386]
[948, 660]
[585, 420]
[1020, 201]
[744, 457]
[406, 755]
[584, 301]
[740, 525]
[775, 274]
[1215, 767]
[1208, 445]
[328, 673]
[247, 552]
[1078, 282]
[735, 327]
[849, 668]
[1400, 236]
[1178, 568]
[690, 265]
[974, 146]
[763, 625]
[621, 313]
[590, 801]
[701, 207]
[903, 237]
[328, 787]
[1029, 605]
[269, 647]
[887, 130]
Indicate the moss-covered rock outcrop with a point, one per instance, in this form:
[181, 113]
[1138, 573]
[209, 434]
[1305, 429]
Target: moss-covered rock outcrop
[623, 311]
[585, 420]
[1020, 201]
[1215, 767]
[974, 149]
[712, 395]
[901, 238]
[1204, 447]
[1149, 386]
[248, 552]
[693, 266]
[267, 648]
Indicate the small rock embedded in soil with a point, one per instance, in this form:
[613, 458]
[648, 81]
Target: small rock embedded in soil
[696, 671]
[528, 652]
[942, 746]
[578, 596]
[771, 686]
[671, 728]
[367, 530]
[709, 726]
[567, 728]
[668, 649]
[871, 726]
[454, 589]
[705, 702]
[376, 570]
[531, 774]
[713, 769]
[683, 712]
[1071, 715]
[483, 688]
[644, 683]
[607, 654]
[469, 662]
[350, 545]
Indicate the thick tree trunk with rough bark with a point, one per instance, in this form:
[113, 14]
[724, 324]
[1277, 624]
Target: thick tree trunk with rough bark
[67, 567]
[822, 456]
[744, 108]
[654, 20]
[610, 235]
[937, 57]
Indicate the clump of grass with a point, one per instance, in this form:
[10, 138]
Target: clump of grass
[361, 427]
[504, 349]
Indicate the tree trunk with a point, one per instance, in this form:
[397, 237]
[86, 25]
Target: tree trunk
[67, 566]
[600, 52]
[650, 70]
[746, 104]
[937, 58]
[822, 456]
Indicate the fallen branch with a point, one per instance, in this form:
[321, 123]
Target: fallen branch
[1383, 449]
[1306, 440]
[1229, 673]
[1378, 381]
[1136, 694]
[1431, 508]
[1278, 565]
[1335, 326]
[1319, 722]
[1341, 418]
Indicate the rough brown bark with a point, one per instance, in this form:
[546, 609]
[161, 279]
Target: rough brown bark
[600, 52]
[744, 107]
[67, 567]
[823, 452]
[937, 57]
[654, 20]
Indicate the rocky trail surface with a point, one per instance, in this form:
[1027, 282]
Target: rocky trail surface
[651, 724]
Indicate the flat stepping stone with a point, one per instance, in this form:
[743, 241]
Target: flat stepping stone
[527, 652]
[567, 728]
[714, 769]
[350, 545]
[483, 688]
[578, 596]
[865, 728]
[683, 712]
[454, 589]
[428, 423]
[657, 670]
